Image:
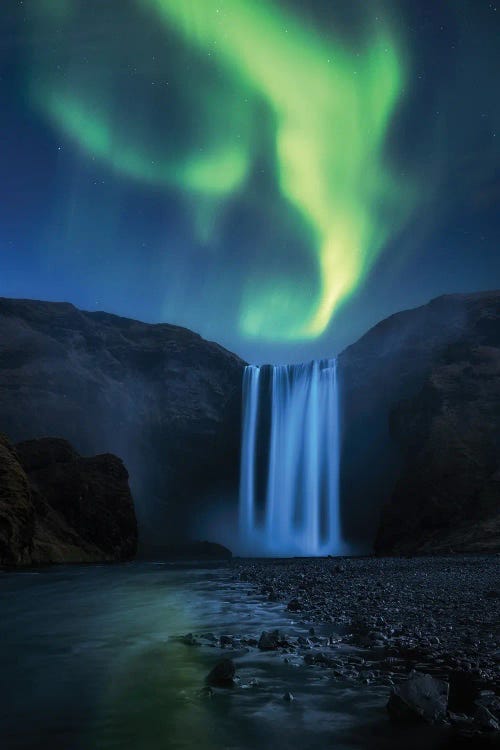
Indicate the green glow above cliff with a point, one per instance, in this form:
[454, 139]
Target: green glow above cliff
[332, 111]
[331, 107]
[217, 172]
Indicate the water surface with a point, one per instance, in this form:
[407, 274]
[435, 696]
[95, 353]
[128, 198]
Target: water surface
[91, 658]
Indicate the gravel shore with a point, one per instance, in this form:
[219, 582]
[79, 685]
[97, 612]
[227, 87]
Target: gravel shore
[436, 615]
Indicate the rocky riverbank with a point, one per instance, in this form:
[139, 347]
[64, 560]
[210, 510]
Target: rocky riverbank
[377, 620]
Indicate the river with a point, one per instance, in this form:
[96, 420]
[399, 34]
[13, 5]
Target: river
[91, 659]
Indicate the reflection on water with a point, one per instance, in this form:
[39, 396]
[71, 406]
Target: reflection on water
[90, 659]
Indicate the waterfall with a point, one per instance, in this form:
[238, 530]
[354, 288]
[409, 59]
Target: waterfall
[289, 484]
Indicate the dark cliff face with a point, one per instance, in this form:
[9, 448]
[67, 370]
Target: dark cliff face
[159, 396]
[447, 498]
[57, 506]
[410, 387]
[420, 418]
[17, 512]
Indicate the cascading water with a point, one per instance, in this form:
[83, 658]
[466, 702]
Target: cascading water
[289, 488]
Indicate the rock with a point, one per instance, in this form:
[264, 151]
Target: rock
[161, 397]
[485, 720]
[61, 507]
[222, 675]
[270, 641]
[294, 605]
[462, 721]
[319, 657]
[420, 698]
[210, 637]
[189, 640]
[491, 701]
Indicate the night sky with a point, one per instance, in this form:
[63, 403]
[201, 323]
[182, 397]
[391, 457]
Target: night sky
[276, 175]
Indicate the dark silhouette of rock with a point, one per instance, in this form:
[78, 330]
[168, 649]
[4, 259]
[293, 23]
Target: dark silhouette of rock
[57, 506]
[272, 640]
[420, 698]
[161, 397]
[222, 675]
[422, 429]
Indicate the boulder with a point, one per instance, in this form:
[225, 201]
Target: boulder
[223, 674]
[420, 698]
[271, 640]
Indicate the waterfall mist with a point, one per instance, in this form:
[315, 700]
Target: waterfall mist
[289, 484]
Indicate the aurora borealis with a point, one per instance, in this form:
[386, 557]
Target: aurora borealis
[275, 175]
[330, 112]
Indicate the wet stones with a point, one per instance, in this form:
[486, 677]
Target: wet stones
[431, 612]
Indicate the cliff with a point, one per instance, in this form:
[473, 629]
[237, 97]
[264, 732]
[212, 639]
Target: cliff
[56, 506]
[447, 498]
[159, 396]
[420, 418]
[421, 429]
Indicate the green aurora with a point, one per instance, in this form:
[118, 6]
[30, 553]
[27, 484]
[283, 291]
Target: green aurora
[329, 106]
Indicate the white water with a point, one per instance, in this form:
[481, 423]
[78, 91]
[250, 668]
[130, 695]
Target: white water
[289, 499]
